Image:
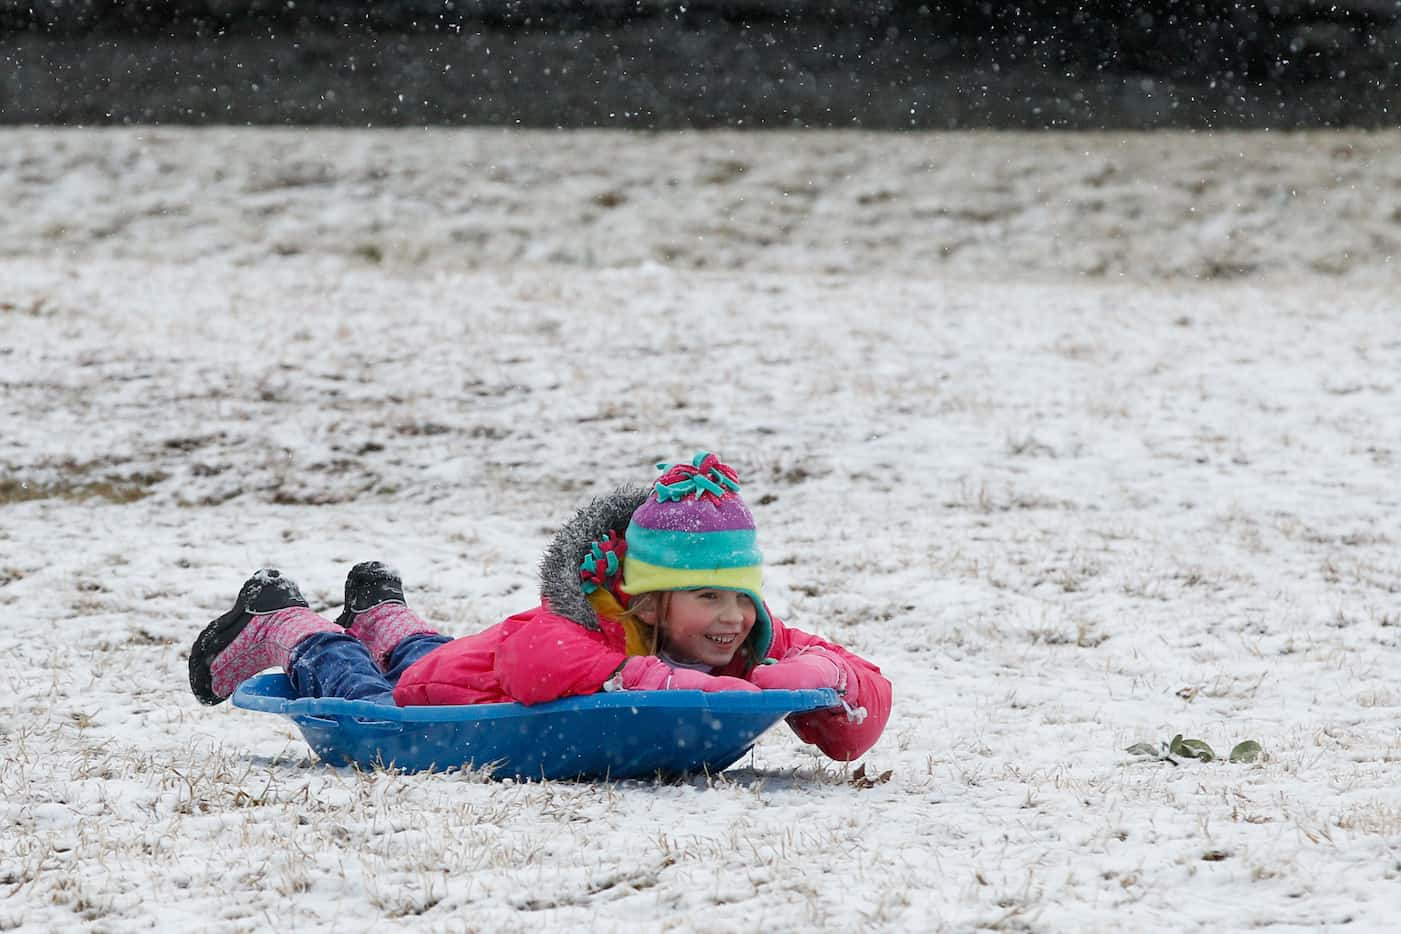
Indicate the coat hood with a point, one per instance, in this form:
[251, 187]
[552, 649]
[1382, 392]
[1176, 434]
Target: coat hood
[560, 586]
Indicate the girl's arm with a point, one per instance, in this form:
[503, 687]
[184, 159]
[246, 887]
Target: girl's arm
[552, 657]
[846, 732]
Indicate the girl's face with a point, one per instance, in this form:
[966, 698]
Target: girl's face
[706, 627]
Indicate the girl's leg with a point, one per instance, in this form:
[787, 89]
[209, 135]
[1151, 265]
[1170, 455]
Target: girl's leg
[376, 614]
[271, 626]
[334, 664]
[409, 651]
[386, 627]
[269, 620]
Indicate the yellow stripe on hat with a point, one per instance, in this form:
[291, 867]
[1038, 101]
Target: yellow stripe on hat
[640, 577]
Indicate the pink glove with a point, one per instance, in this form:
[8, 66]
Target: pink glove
[649, 673]
[802, 669]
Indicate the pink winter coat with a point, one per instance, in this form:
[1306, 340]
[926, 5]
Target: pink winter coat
[540, 655]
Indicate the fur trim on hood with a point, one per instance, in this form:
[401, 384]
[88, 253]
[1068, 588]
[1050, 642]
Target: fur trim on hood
[560, 586]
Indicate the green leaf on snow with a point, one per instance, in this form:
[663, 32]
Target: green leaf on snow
[1191, 749]
[1247, 751]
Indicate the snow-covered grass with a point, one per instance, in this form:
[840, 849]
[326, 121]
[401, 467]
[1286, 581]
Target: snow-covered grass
[1064, 515]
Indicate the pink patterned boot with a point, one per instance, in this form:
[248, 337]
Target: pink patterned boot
[375, 611]
[268, 620]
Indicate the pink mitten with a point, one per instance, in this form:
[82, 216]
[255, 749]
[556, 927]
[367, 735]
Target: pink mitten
[649, 673]
[812, 667]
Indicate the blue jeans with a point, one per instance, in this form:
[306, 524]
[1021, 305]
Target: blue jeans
[335, 664]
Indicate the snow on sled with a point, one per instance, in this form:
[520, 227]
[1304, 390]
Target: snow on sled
[633, 734]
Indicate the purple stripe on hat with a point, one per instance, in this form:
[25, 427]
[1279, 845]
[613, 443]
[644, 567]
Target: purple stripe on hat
[692, 515]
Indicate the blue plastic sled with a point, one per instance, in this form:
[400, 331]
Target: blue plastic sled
[636, 734]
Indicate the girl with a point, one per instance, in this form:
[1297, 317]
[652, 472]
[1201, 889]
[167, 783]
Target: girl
[642, 590]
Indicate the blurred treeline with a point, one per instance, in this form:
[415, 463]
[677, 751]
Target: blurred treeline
[678, 63]
[1290, 39]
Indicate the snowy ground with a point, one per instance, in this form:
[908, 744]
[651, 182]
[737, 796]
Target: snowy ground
[1066, 484]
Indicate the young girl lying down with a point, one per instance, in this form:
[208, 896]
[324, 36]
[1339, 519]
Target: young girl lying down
[642, 590]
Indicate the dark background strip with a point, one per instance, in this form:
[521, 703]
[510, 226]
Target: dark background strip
[891, 65]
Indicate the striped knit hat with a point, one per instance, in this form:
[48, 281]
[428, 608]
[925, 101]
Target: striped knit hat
[695, 532]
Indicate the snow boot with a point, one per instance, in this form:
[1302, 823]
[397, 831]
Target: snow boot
[368, 585]
[267, 621]
[375, 611]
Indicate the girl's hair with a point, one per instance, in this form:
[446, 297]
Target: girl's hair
[652, 600]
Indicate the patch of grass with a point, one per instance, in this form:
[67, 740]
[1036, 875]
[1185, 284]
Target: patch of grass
[113, 491]
[369, 252]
